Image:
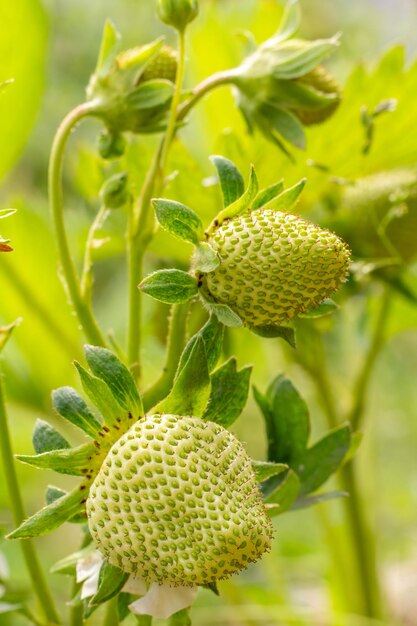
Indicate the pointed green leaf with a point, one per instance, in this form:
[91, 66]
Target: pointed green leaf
[73, 461]
[105, 365]
[323, 459]
[212, 335]
[231, 180]
[101, 396]
[325, 308]
[229, 393]
[225, 314]
[70, 405]
[286, 124]
[170, 286]
[268, 194]
[68, 564]
[287, 199]
[264, 470]
[50, 517]
[303, 503]
[54, 493]
[285, 494]
[240, 205]
[295, 58]
[150, 94]
[205, 259]
[46, 438]
[178, 220]
[110, 582]
[109, 40]
[274, 332]
[191, 390]
[290, 21]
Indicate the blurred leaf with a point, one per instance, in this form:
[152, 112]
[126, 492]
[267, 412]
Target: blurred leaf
[109, 40]
[285, 494]
[323, 459]
[46, 438]
[272, 332]
[290, 21]
[264, 470]
[152, 93]
[303, 503]
[212, 335]
[105, 365]
[229, 393]
[325, 308]
[170, 286]
[6, 331]
[191, 390]
[70, 405]
[22, 51]
[231, 180]
[181, 618]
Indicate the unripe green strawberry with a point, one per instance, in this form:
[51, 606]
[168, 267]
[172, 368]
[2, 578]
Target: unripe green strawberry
[176, 501]
[321, 80]
[274, 266]
[163, 66]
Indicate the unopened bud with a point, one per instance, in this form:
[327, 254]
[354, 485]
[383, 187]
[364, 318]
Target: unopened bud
[177, 13]
[111, 145]
[114, 193]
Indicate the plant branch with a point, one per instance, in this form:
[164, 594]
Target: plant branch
[219, 79]
[87, 273]
[39, 584]
[82, 308]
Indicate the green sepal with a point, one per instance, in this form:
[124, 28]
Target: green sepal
[287, 421]
[212, 334]
[101, 396]
[284, 495]
[181, 618]
[45, 438]
[179, 220]
[304, 503]
[6, 331]
[224, 314]
[205, 259]
[106, 366]
[51, 516]
[191, 390]
[323, 459]
[268, 194]
[288, 198]
[290, 21]
[123, 601]
[67, 565]
[170, 286]
[70, 405]
[230, 179]
[273, 332]
[355, 442]
[264, 469]
[293, 59]
[54, 493]
[150, 94]
[110, 582]
[327, 307]
[229, 393]
[285, 123]
[66, 461]
[240, 205]
[109, 41]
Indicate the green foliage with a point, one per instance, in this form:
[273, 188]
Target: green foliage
[229, 393]
[110, 582]
[231, 180]
[70, 405]
[170, 286]
[46, 438]
[178, 220]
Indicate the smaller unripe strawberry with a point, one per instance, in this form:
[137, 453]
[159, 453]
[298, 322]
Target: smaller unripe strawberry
[176, 502]
[163, 66]
[274, 266]
[177, 13]
[323, 82]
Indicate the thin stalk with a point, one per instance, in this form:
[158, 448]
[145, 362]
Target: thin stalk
[111, 617]
[175, 346]
[361, 386]
[39, 584]
[87, 273]
[219, 79]
[82, 308]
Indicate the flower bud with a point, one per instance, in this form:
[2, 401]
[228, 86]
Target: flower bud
[177, 13]
[111, 145]
[115, 193]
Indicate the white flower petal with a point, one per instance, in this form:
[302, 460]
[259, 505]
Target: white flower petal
[90, 586]
[162, 601]
[88, 571]
[135, 585]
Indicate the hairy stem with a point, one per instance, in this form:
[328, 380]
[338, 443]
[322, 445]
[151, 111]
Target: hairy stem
[37, 577]
[87, 273]
[82, 308]
[175, 346]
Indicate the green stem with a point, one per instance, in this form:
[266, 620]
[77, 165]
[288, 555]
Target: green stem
[39, 584]
[111, 617]
[361, 386]
[219, 79]
[82, 308]
[175, 346]
[87, 273]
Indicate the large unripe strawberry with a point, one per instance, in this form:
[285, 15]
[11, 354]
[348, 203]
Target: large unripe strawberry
[176, 501]
[163, 66]
[274, 266]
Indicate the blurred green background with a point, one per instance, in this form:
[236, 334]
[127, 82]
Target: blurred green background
[50, 51]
